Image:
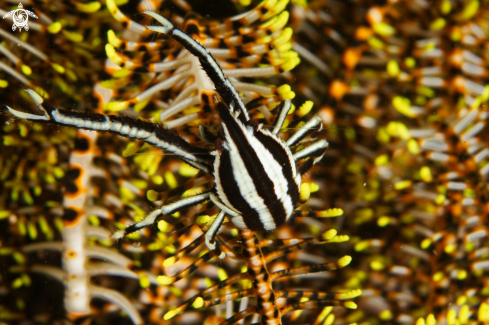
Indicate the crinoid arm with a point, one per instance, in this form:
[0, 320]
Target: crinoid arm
[223, 86]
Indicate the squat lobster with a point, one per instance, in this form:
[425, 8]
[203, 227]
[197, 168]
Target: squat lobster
[257, 182]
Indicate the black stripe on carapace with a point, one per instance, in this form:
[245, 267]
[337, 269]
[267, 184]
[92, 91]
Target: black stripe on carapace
[263, 184]
[278, 152]
[231, 188]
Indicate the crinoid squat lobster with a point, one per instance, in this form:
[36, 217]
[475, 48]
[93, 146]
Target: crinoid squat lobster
[257, 182]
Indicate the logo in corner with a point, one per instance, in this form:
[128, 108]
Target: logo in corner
[20, 17]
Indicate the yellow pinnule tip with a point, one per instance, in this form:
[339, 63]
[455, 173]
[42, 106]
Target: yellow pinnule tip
[198, 303]
[278, 7]
[431, 320]
[157, 179]
[393, 68]
[169, 261]
[152, 195]
[221, 274]
[350, 305]
[164, 280]
[329, 234]
[334, 212]
[440, 199]
[462, 274]
[3, 83]
[122, 73]
[413, 147]
[383, 221]
[425, 174]
[73, 36]
[89, 7]
[356, 293]
[26, 70]
[385, 315]
[284, 89]
[113, 40]
[402, 185]
[112, 54]
[360, 246]
[4, 214]
[483, 313]
[313, 187]
[350, 294]
[202, 220]
[17, 283]
[438, 24]
[280, 21]
[58, 68]
[187, 170]
[284, 37]
[116, 106]
[111, 5]
[55, 27]
[163, 226]
[377, 265]
[426, 243]
[144, 282]
[403, 105]
[384, 29]
[289, 94]
[344, 261]
[290, 64]
[306, 107]
[420, 321]
[469, 10]
[285, 47]
[341, 239]
[172, 313]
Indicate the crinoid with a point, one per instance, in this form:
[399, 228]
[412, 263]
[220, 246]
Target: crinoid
[256, 183]
[166, 79]
[415, 81]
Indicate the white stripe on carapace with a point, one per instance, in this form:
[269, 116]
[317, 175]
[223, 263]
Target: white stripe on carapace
[280, 179]
[244, 181]
[274, 171]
